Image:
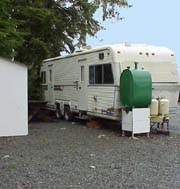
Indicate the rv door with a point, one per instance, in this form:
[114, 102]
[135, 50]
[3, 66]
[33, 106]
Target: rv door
[82, 87]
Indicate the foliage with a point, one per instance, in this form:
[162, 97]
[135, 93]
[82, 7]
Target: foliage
[32, 30]
[10, 39]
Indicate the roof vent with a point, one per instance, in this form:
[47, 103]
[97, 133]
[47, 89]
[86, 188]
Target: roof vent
[83, 48]
[88, 47]
[127, 44]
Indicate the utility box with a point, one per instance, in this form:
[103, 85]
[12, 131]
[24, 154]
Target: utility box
[136, 96]
[136, 121]
[135, 88]
[13, 99]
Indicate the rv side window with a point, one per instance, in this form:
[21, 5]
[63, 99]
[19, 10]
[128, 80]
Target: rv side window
[50, 75]
[98, 74]
[107, 74]
[82, 73]
[101, 56]
[43, 77]
[91, 74]
[101, 74]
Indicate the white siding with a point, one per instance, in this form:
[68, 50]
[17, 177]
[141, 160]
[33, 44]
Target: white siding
[69, 93]
[13, 99]
[66, 72]
[160, 71]
[104, 96]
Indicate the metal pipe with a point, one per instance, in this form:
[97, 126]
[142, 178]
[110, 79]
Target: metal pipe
[136, 65]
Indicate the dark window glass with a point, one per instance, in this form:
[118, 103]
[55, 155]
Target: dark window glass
[44, 80]
[101, 56]
[50, 75]
[91, 74]
[43, 77]
[101, 74]
[107, 74]
[82, 73]
[98, 74]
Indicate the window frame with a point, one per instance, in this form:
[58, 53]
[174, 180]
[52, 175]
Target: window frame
[101, 56]
[93, 69]
[82, 76]
[94, 72]
[97, 79]
[50, 76]
[43, 77]
[112, 75]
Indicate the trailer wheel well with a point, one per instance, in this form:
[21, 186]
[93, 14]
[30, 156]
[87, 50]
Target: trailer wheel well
[58, 111]
[67, 113]
[57, 106]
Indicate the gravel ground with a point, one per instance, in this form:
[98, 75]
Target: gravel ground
[66, 155]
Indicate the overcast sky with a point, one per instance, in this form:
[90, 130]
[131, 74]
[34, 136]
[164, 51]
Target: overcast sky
[155, 22]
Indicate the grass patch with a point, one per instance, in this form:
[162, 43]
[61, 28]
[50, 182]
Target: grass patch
[12, 165]
[44, 140]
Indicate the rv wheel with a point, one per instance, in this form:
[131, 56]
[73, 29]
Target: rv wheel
[58, 111]
[67, 114]
[58, 114]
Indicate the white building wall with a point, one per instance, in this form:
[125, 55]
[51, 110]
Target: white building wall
[13, 99]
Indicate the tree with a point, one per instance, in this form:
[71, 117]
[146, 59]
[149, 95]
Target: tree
[32, 30]
[10, 39]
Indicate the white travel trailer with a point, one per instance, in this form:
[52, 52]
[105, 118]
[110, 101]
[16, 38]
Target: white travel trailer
[87, 82]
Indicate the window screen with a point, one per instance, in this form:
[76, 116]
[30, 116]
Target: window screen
[91, 75]
[82, 73]
[101, 56]
[101, 74]
[43, 77]
[98, 74]
[107, 74]
[50, 75]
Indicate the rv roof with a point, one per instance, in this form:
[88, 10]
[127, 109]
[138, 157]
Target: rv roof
[125, 47]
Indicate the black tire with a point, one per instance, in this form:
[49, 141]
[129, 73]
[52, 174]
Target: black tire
[67, 114]
[58, 112]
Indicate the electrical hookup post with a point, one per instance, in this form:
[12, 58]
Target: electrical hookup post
[136, 96]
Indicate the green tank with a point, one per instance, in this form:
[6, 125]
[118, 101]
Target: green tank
[135, 88]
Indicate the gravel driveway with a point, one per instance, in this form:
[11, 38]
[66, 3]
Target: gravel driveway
[66, 155]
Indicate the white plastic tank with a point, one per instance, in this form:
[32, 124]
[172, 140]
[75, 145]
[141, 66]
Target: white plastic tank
[163, 107]
[154, 107]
